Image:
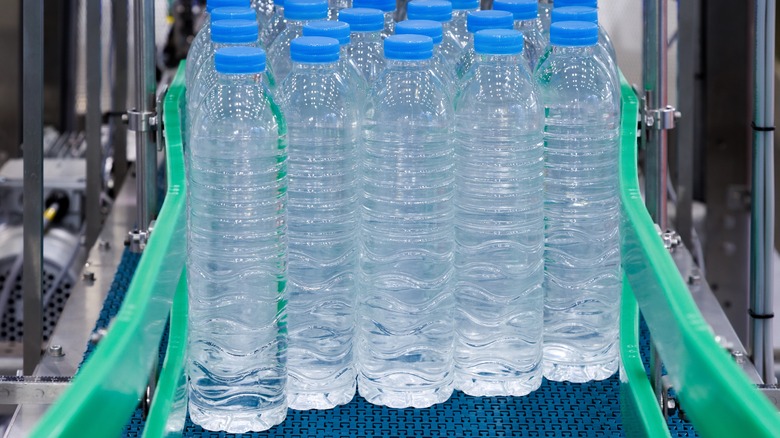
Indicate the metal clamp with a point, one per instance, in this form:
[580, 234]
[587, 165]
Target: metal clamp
[661, 119]
[141, 121]
[670, 238]
[139, 238]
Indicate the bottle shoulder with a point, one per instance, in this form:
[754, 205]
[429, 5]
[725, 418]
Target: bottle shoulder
[500, 91]
[318, 98]
[405, 94]
[250, 105]
[575, 78]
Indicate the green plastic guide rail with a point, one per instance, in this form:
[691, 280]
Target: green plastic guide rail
[716, 396]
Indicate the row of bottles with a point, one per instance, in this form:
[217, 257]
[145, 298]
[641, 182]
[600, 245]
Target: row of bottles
[400, 208]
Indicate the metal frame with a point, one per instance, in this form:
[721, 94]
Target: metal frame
[32, 138]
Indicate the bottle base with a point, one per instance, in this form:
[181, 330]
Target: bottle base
[514, 387]
[563, 372]
[233, 421]
[304, 401]
[411, 398]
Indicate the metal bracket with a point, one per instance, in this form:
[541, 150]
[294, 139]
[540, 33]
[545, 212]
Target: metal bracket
[31, 390]
[661, 119]
[772, 392]
[139, 238]
[141, 121]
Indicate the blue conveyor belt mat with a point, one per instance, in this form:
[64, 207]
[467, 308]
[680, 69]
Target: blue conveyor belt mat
[554, 410]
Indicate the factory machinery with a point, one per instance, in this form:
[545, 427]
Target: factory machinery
[93, 299]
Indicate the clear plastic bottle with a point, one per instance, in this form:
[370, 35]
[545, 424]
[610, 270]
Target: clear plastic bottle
[459, 26]
[441, 11]
[545, 8]
[386, 6]
[265, 10]
[605, 51]
[477, 21]
[441, 65]
[202, 39]
[236, 254]
[499, 222]
[365, 47]
[322, 217]
[582, 208]
[297, 13]
[224, 33]
[527, 21]
[348, 70]
[276, 24]
[334, 6]
[407, 233]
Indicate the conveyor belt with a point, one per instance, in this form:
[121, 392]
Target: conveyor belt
[555, 410]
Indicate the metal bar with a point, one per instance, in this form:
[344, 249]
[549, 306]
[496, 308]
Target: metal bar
[654, 67]
[688, 86]
[762, 208]
[146, 148]
[94, 216]
[31, 390]
[32, 139]
[119, 18]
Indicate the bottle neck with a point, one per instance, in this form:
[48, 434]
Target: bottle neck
[367, 36]
[530, 24]
[492, 60]
[296, 25]
[315, 67]
[405, 64]
[389, 19]
[279, 10]
[573, 50]
[240, 79]
[254, 43]
[343, 51]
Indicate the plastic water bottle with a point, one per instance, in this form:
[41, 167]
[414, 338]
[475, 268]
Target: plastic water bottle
[460, 12]
[265, 10]
[480, 20]
[203, 37]
[236, 259]
[386, 6]
[441, 11]
[348, 70]
[276, 24]
[545, 8]
[604, 51]
[433, 29]
[527, 21]
[365, 47]
[224, 33]
[407, 233]
[297, 13]
[334, 6]
[499, 222]
[322, 123]
[582, 208]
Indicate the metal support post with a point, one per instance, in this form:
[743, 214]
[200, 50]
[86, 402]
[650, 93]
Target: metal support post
[658, 117]
[32, 139]
[119, 19]
[762, 214]
[94, 215]
[142, 119]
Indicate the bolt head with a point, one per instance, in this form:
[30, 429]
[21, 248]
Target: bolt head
[56, 350]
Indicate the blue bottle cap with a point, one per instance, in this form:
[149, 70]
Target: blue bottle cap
[240, 60]
[306, 9]
[314, 49]
[408, 47]
[382, 5]
[428, 28]
[233, 13]
[363, 19]
[214, 4]
[436, 10]
[521, 9]
[465, 4]
[234, 31]
[279, 3]
[479, 20]
[498, 42]
[575, 13]
[563, 3]
[331, 29]
[574, 33]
